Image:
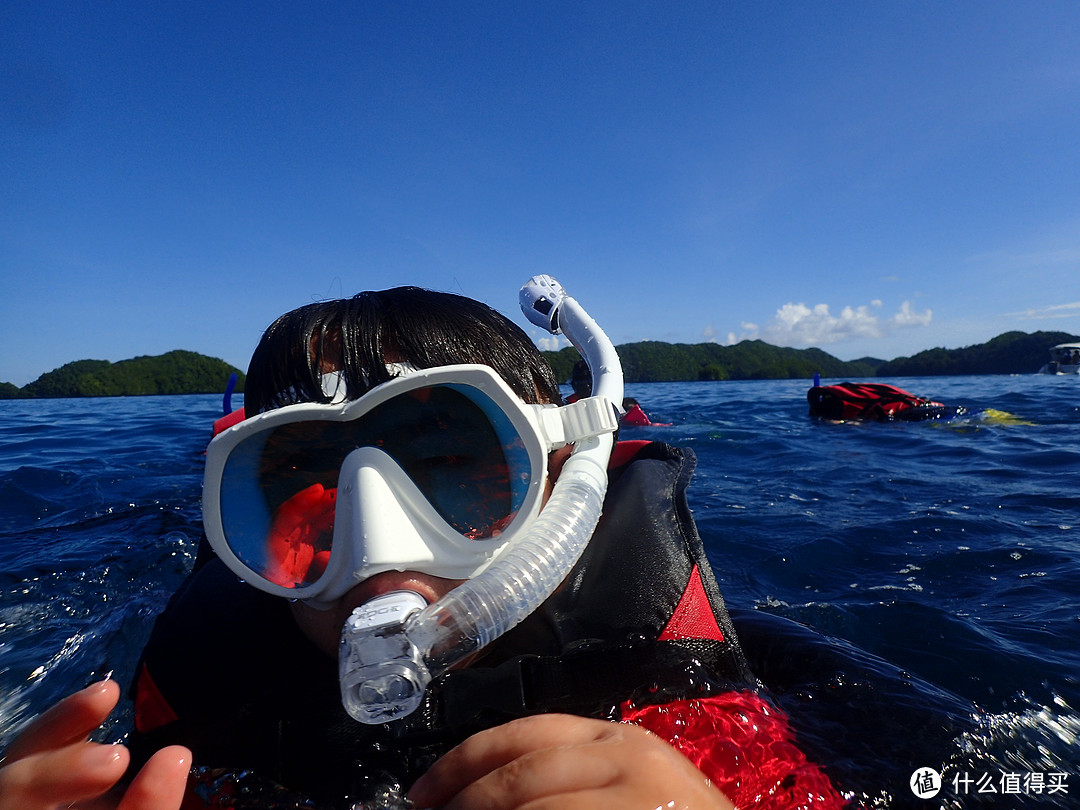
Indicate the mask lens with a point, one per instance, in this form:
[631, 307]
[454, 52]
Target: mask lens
[459, 448]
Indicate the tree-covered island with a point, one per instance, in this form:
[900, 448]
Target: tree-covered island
[1010, 353]
[176, 372]
[183, 372]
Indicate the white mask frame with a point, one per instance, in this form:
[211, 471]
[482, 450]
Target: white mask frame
[383, 521]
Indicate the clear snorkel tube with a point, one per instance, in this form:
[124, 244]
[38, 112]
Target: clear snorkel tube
[394, 645]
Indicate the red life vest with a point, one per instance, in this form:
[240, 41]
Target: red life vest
[868, 401]
[635, 416]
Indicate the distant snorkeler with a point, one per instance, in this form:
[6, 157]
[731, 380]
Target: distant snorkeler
[634, 416]
[874, 402]
[879, 402]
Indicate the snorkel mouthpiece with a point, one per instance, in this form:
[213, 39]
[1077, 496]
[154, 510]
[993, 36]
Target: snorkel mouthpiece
[394, 645]
[382, 674]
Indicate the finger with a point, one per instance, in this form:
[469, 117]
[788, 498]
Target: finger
[61, 777]
[602, 797]
[69, 721]
[629, 799]
[161, 782]
[550, 774]
[493, 748]
[635, 771]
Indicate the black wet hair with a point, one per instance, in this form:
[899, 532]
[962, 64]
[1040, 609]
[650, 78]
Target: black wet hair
[404, 324]
[581, 379]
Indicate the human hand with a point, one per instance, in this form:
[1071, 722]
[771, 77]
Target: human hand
[561, 761]
[53, 764]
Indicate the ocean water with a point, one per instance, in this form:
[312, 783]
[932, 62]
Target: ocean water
[908, 593]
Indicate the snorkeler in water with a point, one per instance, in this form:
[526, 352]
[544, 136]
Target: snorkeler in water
[406, 590]
[634, 416]
[874, 402]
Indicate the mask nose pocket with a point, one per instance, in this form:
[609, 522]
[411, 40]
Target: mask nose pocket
[375, 526]
[433, 472]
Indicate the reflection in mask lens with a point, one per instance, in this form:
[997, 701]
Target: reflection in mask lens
[458, 447]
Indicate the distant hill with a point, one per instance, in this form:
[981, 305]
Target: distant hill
[1010, 353]
[655, 361]
[182, 372]
[176, 372]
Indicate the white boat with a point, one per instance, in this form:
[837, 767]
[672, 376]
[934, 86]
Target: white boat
[1064, 359]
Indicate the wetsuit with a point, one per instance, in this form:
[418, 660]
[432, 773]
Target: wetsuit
[637, 632]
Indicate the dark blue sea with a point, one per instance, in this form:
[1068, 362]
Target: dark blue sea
[909, 592]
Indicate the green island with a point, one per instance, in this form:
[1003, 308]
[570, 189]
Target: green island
[176, 372]
[184, 372]
[649, 361]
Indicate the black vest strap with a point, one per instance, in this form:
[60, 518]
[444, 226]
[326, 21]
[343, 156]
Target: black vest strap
[590, 683]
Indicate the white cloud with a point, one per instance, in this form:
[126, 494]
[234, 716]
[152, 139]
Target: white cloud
[906, 317]
[1053, 311]
[709, 333]
[551, 343]
[800, 326]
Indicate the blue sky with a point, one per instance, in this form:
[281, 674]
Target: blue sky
[869, 178]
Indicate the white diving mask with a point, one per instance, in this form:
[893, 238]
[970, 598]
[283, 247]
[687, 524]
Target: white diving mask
[435, 471]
